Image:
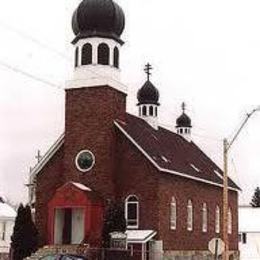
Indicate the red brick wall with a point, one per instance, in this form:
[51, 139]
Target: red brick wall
[183, 190]
[137, 176]
[48, 180]
[121, 170]
[90, 115]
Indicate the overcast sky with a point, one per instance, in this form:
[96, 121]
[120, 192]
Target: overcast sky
[206, 53]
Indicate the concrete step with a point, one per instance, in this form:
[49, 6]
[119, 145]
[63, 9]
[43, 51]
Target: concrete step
[59, 249]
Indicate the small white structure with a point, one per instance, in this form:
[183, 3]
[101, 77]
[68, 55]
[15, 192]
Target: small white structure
[249, 233]
[7, 219]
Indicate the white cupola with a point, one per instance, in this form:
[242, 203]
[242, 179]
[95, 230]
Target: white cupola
[183, 124]
[148, 100]
[97, 25]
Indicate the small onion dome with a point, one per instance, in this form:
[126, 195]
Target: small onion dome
[101, 18]
[148, 94]
[183, 121]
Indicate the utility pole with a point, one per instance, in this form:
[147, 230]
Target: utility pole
[226, 146]
[225, 199]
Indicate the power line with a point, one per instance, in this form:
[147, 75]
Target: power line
[34, 40]
[27, 74]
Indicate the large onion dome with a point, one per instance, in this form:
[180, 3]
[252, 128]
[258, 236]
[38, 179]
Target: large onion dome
[148, 94]
[101, 18]
[184, 120]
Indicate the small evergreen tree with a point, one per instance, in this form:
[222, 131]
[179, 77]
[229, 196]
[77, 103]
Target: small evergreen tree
[255, 202]
[114, 221]
[24, 240]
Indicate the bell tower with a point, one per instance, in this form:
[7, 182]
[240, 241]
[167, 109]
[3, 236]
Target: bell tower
[97, 25]
[95, 96]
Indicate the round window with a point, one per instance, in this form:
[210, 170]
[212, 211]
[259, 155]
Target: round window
[85, 160]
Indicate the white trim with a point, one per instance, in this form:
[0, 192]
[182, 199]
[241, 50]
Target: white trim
[53, 149]
[218, 174]
[96, 82]
[167, 170]
[92, 165]
[139, 241]
[81, 186]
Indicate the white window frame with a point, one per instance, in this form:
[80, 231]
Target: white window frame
[173, 214]
[204, 218]
[217, 219]
[189, 216]
[126, 211]
[229, 221]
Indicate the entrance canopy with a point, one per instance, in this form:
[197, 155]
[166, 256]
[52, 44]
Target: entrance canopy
[139, 236]
[75, 215]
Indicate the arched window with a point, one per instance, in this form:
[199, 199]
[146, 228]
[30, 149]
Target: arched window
[156, 111]
[86, 57]
[150, 110]
[76, 57]
[144, 111]
[116, 57]
[217, 220]
[173, 214]
[189, 216]
[103, 54]
[229, 221]
[140, 111]
[204, 218]
[132, 211]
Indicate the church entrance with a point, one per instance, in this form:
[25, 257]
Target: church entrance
[75, 216]
[69, 226]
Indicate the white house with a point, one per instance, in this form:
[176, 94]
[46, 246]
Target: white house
[7, 219]
[249, 233]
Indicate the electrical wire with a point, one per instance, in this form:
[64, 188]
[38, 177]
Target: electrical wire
[34, 40]
[29, 75]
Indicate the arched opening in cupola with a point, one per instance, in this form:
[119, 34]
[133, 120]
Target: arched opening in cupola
[103, 54]
[86, 57]
[116, 57]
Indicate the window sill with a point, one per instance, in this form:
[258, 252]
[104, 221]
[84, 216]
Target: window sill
[132, 227]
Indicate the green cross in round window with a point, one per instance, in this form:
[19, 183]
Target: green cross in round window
[85, 160]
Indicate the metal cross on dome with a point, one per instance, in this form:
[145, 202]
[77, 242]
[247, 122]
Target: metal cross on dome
[147, 69]
[183, 106]
[38, 156]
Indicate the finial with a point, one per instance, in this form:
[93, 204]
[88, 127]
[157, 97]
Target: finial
[147, 69]
[183, 106]
[38, 156]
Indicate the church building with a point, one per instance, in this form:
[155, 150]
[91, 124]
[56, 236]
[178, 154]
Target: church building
[172, 191]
